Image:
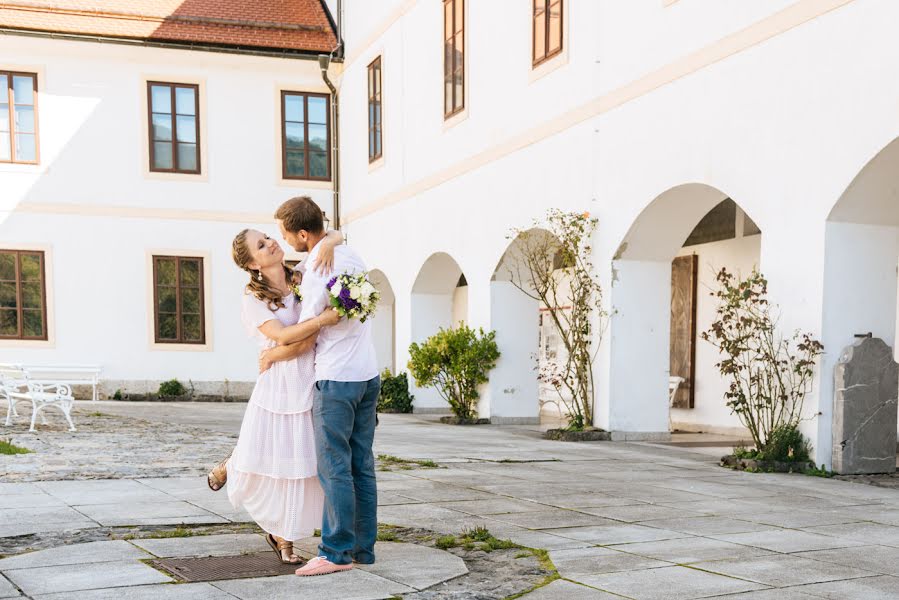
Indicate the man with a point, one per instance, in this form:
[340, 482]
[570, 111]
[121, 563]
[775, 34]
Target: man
[344, 404]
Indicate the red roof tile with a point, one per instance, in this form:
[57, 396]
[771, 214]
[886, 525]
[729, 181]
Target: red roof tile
[276, 24]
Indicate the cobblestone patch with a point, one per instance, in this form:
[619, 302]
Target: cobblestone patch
[885, 480]
[108, 446]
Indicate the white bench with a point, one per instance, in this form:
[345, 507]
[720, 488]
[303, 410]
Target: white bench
[17, 385]
[68, 374]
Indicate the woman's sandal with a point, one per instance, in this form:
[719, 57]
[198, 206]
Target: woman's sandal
[281, 546]
[213, 480]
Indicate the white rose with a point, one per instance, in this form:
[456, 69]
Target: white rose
[355, 293]
[335, 289]
[368, 289]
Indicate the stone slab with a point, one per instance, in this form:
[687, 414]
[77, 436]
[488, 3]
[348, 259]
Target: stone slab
[864, 533]
[230, 544]
[775, 594]
[148, 513]
[691, 550]
[779, 570]
[8, 590]
[29, 501]
[355, 584]
[787, 540]
[606, 535]
[498, 506]
[868, 588]
[636, 513]
[573, 563]
[417, 567]
[75, 554]
[184, 591]
[551, 519]
[73, 578]
[102, 491]
[877, 559]
[866, 386]
[568, 590]
[669, 583]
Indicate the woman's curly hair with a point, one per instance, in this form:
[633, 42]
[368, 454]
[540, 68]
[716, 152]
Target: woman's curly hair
[259, 285]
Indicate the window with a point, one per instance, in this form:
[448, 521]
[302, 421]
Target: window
[18, 117]
[375, 150]
[305, 136]
[23, 295]
[453, 57]
[178, 299]
[174, 127]
[547, 29]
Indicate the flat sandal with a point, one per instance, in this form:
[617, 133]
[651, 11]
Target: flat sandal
[281, 546]
[214, 482]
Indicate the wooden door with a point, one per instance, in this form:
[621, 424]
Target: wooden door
[683, 327]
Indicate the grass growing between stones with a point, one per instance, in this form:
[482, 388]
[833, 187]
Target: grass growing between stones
[387, 533]
[389, 462]
[7, 447]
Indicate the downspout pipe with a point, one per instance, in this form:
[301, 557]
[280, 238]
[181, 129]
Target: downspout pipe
[324, 62]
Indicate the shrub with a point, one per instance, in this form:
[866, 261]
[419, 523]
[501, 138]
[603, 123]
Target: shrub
[395, 396]
[172, 387]
[118, 395]
[769, 374]
[455, 361]
[787, 444]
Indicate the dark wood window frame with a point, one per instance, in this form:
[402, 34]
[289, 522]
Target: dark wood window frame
[10, 103]
[174, 140]
[20, 309]
[375, 112]
[450, 58]
[545, 6]
[306, 153]
[179, 339]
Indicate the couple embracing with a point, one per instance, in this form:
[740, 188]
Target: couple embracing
[304, 457]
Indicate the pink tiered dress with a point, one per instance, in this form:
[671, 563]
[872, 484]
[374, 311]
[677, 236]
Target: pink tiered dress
[272, 473]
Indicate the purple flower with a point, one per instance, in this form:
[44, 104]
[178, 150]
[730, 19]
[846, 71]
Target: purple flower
[332, 282]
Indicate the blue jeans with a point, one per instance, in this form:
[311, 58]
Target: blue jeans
[343, 415]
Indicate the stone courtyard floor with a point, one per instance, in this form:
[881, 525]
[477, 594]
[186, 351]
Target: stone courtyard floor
[86, 515]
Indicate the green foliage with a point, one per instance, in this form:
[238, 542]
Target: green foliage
[395, 396]
[769, 374]
[745, 453]
[822, 472]
[118, 395]
[786, 444]
[172, 387]
[445, 542]
[178, 532]
[478, 534]
[455, 361]
[388, 460]
[7, 447]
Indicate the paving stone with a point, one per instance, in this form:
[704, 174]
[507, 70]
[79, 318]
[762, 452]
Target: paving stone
[868, 588]
[780, 570]
[551, 519]
[877, 559]
[795, 519]
[497, 506]
[636, 513]
[148, 513]
[579, 500]
[774, 594]
[708, 525]
[573, 563]
[568, 590]
[179, 487]
[537, 539]
[9, 489]
[787, 540]
[692, 550]
[38, 500]
[184, 591]
[607, 535]
[75, 554]
[418, 567]
[869, 533]
[390, 499]
[866, 385]
[669, 583]
[355, 584]
[72, 578]
[230, 544]
[102, 491]
[8, 590]
[428, 516]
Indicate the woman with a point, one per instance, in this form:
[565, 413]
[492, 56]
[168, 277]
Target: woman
[272, 471]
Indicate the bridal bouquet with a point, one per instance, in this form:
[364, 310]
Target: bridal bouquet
[353, 296]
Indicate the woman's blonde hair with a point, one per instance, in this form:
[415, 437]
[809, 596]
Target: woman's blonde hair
[259, 285]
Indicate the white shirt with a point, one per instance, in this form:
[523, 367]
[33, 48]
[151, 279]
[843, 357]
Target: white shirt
[344, 352]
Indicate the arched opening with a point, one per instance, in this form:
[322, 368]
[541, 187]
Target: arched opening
[439, 299]
[663, 376]
[525, 341]
[860, 273]
[384, 322]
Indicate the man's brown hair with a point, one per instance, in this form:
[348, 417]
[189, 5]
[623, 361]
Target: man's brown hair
[301, 214]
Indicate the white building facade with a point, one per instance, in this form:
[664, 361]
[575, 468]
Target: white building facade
[651, 114]
[152, 154]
